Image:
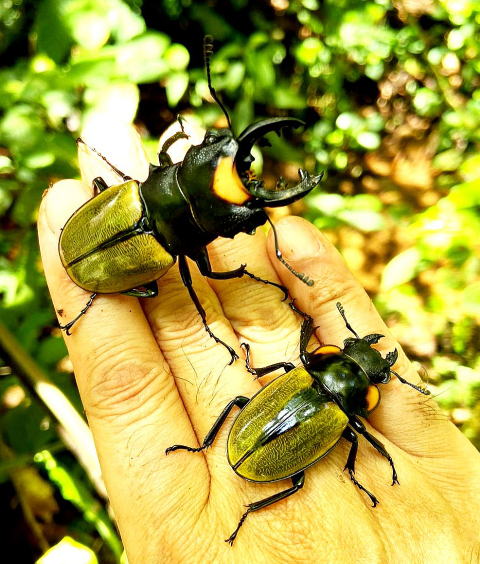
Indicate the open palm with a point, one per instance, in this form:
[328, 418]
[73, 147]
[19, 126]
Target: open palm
[150, 376]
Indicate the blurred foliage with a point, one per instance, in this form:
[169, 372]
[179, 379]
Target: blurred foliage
[390, 91]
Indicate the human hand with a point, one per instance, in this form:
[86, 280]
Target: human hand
[149, 376]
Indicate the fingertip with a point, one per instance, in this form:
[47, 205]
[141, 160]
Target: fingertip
[118, 142]
[59, 202]
[300, 240]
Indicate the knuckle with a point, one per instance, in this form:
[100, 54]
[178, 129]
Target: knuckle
[125, 388]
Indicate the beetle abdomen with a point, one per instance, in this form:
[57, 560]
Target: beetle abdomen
[286, 427]
[104, 247]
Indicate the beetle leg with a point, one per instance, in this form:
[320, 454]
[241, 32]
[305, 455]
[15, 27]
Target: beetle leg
[347, 324]
[149, 290]
[187, 280]
[69, 325]
[303, 277]
[239, 401]
[203, 261]
[297, 480]
[99, 185]
[259, 372]
[269, 282]
[359, 427]
[350, 465]
[306, 332]
[423, 391]
[122, 175]
[164, 158]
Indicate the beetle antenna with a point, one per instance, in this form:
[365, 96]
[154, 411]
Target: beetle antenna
[303, 277]
[423, 391]
[342, 313]
[207, 54]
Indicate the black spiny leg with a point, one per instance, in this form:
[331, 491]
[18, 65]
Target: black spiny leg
[203, 261]
[187, 280]
[239, 401]
[122, 175]
[350, 465]
[423, 391]
[303, 277]
[359, 427]
[69, 325]
[164, 159]
[259, 372]
[149, 290]
[347, 324]
[306, 332]
[297, 480]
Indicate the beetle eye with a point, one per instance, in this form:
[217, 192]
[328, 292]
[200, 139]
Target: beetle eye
[209, 139]
[384, 378]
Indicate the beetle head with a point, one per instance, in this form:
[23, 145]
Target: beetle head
[215, 178]
[369, 359]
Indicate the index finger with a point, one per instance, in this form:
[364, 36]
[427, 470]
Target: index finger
[129, 395]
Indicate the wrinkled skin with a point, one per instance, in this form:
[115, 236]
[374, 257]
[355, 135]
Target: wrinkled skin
[149, 376]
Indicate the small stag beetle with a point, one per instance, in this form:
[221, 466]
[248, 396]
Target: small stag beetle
[296, 419]
[127, 236]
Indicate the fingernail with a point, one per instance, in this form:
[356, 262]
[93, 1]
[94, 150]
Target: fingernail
[299, 239]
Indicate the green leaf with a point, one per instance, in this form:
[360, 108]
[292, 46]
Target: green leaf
[470, 168]
[401, 269]
[427, 102]
[369, 140]
[21, 127]
[27, 428]
[177, 57]
[471, 298]
[365, 220]
[449, 160]
[176, 84]
[52, 33]
[74, 491]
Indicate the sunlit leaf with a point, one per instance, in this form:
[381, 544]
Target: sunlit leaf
[176, 85]
[426, 101]
[368, 139]
[177, 57]
[401, 269]
[68, 550]
[471, 298]
[74, 491]
[365, 220]
[470, 168]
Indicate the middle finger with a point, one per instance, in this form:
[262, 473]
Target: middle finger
[256, 310]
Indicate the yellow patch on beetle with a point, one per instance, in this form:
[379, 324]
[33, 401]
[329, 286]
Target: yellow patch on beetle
[372, 397]
[227, 184]
[328, 349]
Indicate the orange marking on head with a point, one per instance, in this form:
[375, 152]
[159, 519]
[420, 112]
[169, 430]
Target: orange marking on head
[328, 349]
[227, 184]
[372, 397]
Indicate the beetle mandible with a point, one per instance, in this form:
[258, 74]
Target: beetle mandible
[296, 419]
[129, 235]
